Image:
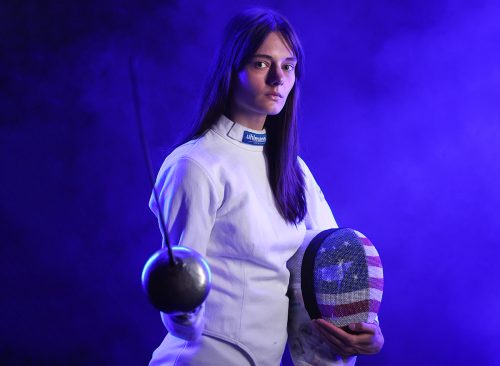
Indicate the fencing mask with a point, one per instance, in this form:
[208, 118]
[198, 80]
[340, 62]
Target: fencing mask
[336, 275]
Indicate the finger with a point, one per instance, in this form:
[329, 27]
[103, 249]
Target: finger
[366, 345]
[332, 338]
[336, 331]
[364, 327]
[336, 344]
[360, 343]
[336, 348]
[344, 348]
[356, 340]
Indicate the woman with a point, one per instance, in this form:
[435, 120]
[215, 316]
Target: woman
[237, 193]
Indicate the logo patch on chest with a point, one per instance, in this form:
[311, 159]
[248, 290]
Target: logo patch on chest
[254, 138]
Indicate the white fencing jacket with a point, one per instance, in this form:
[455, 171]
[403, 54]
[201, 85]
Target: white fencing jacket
[217, 199]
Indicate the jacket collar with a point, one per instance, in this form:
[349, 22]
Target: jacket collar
[240, 135]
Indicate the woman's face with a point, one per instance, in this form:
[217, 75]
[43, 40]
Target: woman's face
[263, 85]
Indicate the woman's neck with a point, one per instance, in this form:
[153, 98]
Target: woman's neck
[252, 121]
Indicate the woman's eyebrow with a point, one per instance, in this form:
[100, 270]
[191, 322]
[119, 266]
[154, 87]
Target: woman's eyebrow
[292, 58]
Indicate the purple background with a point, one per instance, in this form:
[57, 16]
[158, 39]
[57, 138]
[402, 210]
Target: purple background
[400, 125]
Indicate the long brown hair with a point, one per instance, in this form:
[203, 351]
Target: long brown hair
[242, 37]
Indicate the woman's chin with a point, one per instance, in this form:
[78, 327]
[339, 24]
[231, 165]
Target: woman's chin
[275, 111]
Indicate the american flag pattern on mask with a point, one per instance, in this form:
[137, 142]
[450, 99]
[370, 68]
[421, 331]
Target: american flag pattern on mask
[348, 278]
[336, 275]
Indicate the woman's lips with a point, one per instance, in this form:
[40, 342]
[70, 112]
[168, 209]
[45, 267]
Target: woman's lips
[274, 96]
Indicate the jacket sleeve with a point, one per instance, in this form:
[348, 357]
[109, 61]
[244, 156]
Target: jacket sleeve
[319, 215]
[189, 202]
[306, 346]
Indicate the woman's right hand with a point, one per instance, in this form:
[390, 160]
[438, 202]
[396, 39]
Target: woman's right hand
[187, 326]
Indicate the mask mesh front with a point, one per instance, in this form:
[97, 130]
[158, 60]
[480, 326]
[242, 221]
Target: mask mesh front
[342, 279]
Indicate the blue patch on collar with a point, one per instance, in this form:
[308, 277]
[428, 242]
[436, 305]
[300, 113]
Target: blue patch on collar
[254, 138]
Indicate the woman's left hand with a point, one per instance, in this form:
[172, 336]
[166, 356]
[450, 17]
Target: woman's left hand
[364, 338]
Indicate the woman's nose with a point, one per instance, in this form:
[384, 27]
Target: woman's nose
[275, 77]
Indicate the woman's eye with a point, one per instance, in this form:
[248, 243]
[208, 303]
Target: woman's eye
[260, 64]
[289, 67]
